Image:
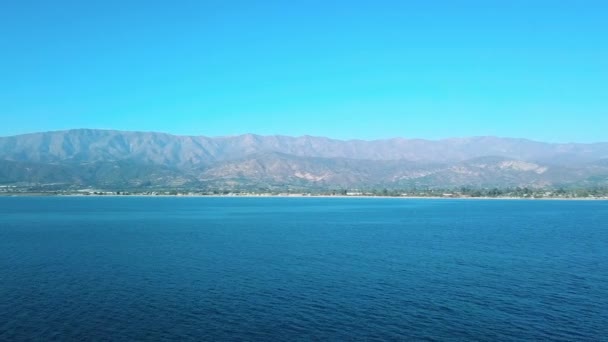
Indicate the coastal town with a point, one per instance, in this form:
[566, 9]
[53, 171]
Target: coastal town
[463, 192]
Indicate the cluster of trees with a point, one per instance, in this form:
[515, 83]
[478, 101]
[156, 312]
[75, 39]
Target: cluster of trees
[492, 192]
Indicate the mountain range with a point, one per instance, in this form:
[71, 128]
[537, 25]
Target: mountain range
[119, 159]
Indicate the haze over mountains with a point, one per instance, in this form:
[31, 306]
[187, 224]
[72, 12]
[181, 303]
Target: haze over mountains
[104, 158]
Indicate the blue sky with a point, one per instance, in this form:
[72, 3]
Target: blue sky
[343, 69]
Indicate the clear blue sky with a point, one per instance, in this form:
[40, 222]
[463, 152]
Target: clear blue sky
[342, 69]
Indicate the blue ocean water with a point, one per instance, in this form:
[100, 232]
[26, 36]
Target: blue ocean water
[127, 268]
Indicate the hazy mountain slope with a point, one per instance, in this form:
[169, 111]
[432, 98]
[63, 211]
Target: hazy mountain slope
[120, 173]
[279, 169]
[165, 149]
[101, 145]
[16, 172]
[114, 158]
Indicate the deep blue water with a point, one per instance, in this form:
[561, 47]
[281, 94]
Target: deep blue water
[302, 269]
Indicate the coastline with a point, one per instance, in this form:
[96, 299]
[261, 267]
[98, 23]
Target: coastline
[306, 196]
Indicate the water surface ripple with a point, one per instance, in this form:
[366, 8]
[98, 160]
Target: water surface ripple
[129, 269]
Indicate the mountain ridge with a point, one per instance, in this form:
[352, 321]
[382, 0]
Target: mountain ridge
[163, 159]
[453, 138]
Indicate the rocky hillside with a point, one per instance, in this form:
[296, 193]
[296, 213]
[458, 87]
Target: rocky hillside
[142, 159]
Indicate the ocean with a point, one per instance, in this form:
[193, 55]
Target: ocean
[284, 269]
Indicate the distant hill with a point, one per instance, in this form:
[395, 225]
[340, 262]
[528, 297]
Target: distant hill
[87, 157]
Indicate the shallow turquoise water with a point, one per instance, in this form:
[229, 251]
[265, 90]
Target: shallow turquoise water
[125, 268]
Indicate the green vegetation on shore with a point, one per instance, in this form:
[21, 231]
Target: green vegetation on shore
[461, 192]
